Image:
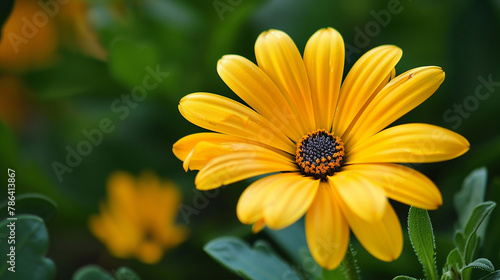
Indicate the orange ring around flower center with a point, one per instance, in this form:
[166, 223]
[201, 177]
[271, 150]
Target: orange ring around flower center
[319, 154]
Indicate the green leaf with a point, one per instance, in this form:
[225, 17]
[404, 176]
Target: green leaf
[481, 263]
[403, 277]
[492, 276]
[471, 194]
[422, 240]
[259, 262]
[292, 241]
[31, 245]
[478, 216]
[34, 204]
[471, 248]
[5, 9]
[92, 272]
[335, 274]
[349, 267]
[491, 242]
[459, 241]
[125, 273]
[454, 264]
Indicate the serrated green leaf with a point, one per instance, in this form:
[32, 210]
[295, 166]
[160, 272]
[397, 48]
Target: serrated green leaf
[259, 262]
[125, 273]
[403, 277]
[349, 267]
[479, 216]
[31, 245]
[422, 240]
[470, 195]
[481, 263]
[92, 272]
[492, 276]
[33, 204]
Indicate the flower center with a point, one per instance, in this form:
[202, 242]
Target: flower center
[319, 154]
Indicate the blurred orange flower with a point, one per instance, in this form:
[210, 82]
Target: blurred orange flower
[35, 29]
[29, 38]
[138, 219]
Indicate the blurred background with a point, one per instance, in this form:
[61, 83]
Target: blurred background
[68, 69]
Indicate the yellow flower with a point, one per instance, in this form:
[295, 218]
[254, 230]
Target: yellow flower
[138, 219]
[322, 143]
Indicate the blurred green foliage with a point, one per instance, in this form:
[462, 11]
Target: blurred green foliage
[69, 98]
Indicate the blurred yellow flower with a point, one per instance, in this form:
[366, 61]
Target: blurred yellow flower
[325, 142]
[138, 219]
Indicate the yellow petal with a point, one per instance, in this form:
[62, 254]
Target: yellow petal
[382, 238]
[122, 194]
[167, 197]
[362, 82]
[183, 147]
[327, 232]
[401, 183]
[361, 195]
[252, 85]
[277, 200]
[149, 252]
[204, 152]
[237, 166]
[280, 59]
[252, 200]
[397, 98]
[120, 236]
[221, 114]
[324, 61]
[196, 150]
[258, 226]
[290, 200]
[413, 142]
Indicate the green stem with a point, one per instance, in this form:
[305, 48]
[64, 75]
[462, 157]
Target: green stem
[349, 266]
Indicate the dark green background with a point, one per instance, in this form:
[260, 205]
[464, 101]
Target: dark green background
[186, 38]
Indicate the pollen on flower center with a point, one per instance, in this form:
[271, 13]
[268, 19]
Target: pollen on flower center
[319, 154]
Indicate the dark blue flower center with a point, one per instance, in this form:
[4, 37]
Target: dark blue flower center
[319, 154]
